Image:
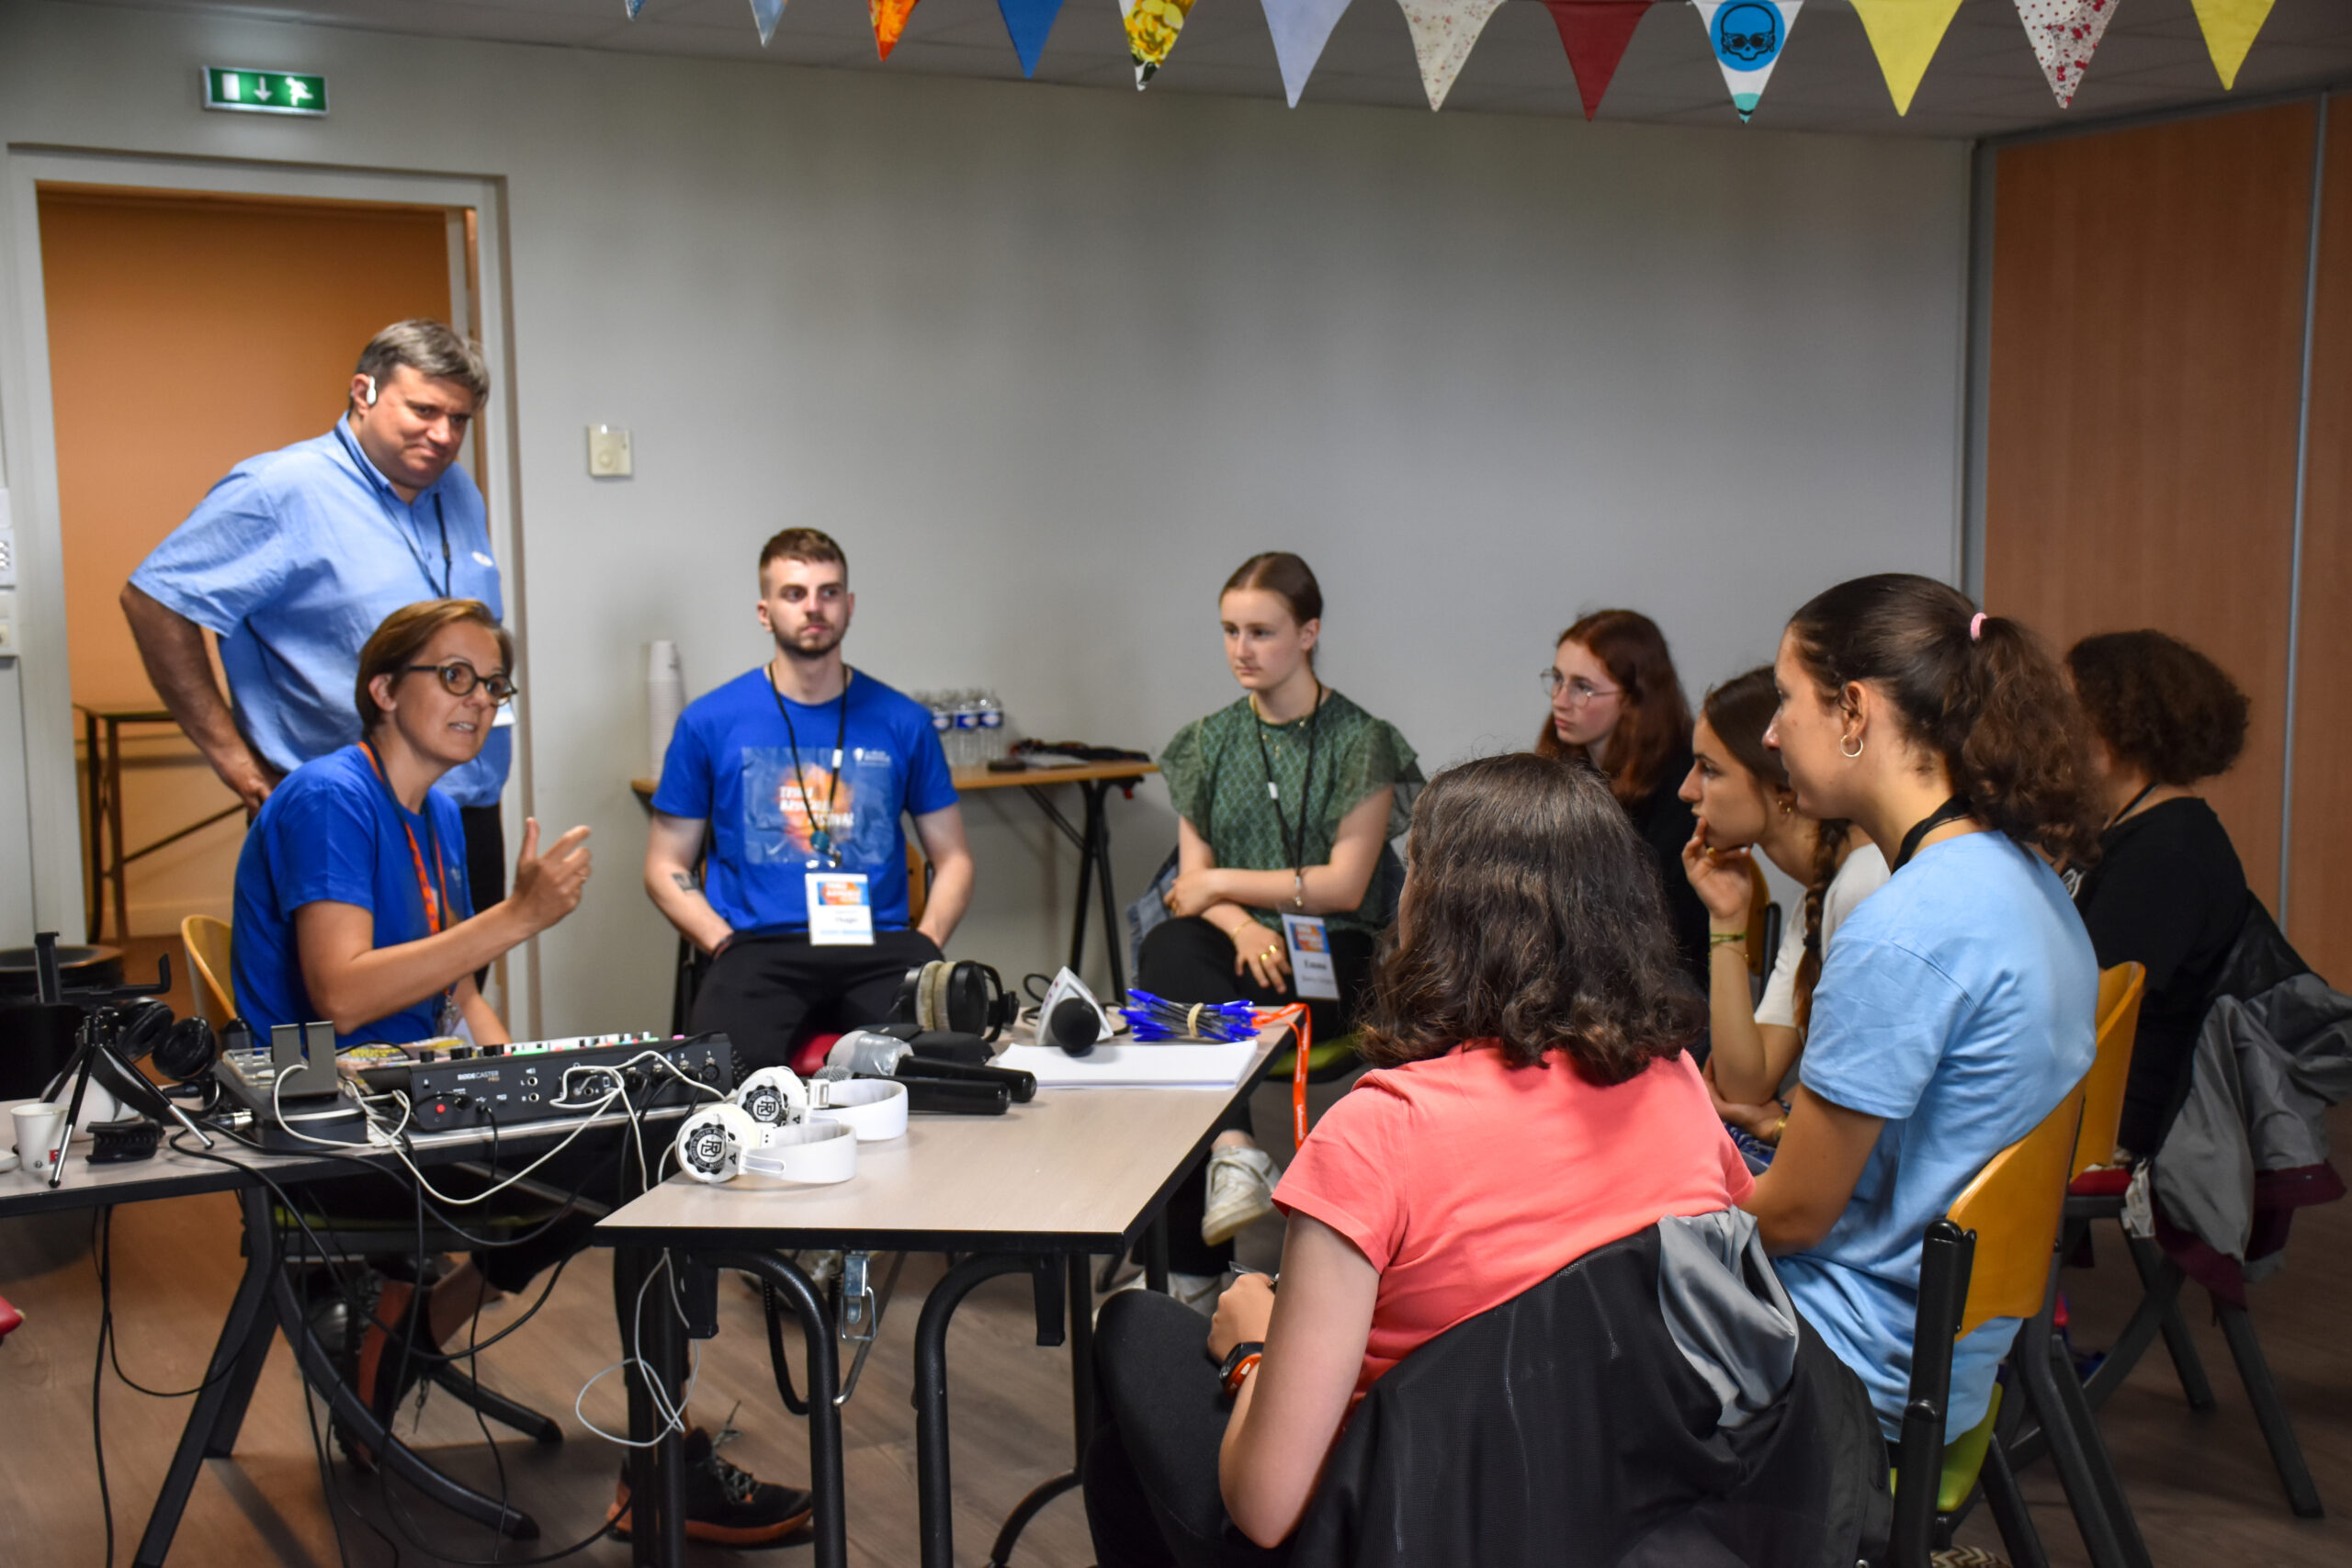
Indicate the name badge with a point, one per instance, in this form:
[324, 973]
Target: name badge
[841, 913]
[1311, 974]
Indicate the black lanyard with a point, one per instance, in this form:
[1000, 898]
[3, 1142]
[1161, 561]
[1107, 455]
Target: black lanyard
[1952, 810]
[2131, 805]
[1305, 782]
[821, 838]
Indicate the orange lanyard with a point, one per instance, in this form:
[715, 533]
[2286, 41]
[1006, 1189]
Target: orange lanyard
[1302, 1024]
[436, 908]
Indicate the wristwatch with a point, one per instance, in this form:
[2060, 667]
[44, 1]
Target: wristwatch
[1237, 1365]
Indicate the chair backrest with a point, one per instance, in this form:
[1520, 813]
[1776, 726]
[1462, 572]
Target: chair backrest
[207, 942]
[918, 880]
[2013, 1206]
[2120, 990]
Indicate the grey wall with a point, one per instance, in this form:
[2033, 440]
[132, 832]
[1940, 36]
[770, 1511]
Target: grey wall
[1050, 362]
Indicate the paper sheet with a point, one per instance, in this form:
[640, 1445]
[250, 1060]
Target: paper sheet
[1132, 1065]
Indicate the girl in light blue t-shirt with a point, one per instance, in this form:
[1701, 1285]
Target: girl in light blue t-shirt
[1957, 1006]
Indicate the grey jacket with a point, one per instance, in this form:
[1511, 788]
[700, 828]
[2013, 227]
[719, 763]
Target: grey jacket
[2274, 1054]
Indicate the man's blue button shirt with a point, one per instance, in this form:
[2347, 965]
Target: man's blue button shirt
[292, 561]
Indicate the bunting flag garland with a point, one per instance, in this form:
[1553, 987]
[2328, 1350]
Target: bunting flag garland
[2230, 26]
[1904, 34]
[1445, 31]
[1595, 33]
[2064, 33]
[1027, 22]
[889, 23]
[1748, 35]
[633, 7]
[1301, 28]
[1152, 27]
[767, 13]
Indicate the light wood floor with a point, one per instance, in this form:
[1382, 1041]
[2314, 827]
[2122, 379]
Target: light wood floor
[2202, 1482]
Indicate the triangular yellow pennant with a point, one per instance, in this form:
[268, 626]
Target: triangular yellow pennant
[1904, 34]
[2230, 26]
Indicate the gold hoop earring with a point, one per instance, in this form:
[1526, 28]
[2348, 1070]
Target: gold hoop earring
[1857, 752]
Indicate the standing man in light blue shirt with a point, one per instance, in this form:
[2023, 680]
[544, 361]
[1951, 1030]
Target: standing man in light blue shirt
[299, 554]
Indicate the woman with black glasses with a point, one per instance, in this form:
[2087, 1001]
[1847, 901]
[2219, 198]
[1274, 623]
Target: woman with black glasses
[1618, 704]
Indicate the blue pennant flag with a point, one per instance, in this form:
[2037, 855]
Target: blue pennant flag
[1029, 21]
[767, 13]
[634, 8]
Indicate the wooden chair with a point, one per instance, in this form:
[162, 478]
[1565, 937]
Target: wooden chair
[1988, 1258]
[206, 941]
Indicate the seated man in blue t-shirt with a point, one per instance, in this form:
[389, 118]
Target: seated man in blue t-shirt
[800, 771]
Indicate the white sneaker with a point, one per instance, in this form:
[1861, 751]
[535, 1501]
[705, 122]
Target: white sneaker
[1198, 1291]
[1241, 1193]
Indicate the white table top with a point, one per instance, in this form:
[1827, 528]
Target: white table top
[1074, 1170]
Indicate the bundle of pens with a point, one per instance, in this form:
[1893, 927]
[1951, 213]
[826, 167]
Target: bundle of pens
[1155, 1017]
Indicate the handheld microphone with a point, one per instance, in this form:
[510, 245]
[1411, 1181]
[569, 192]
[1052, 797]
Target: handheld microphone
[931, 1085]
[1070, 1017]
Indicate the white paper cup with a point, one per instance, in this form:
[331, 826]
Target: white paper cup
[40, 1137]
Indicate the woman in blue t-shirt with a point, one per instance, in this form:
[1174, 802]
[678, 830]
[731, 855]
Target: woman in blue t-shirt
[1956, 1006]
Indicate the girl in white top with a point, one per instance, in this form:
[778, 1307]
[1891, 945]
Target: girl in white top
[1741, 794]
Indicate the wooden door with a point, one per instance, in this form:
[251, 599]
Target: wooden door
[186, 333]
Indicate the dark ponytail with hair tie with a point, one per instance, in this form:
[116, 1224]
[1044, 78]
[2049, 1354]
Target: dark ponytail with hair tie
[1978, 690]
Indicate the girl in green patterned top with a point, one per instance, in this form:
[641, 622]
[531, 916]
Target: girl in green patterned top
[1286, 801]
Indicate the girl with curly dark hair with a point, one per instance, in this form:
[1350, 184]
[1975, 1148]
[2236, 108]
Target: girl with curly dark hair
[1956, 1006]
[2168, 891]
[1530, 1102]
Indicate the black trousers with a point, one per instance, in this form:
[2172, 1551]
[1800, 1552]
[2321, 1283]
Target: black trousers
[1152, 1499]
[485, 863]
[763, 988]
[1189, 960]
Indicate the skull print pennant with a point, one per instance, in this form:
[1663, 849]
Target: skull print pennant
[2064, 33]
[1445, 31]
[1748, 37]
[1152, 27]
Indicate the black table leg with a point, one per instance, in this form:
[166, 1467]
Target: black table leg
[1098, 844]
[1081, 1388]
[212, 1429]
[825, 1478]
[935, 1489]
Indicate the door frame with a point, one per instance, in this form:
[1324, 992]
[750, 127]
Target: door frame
[29, 441]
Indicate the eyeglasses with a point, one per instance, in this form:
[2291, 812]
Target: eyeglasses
[1580, 691]
[460, 678]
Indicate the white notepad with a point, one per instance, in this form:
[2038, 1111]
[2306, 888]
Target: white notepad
[1127, 1064]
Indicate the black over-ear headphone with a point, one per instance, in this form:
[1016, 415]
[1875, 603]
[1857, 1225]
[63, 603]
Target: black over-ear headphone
[962, 996]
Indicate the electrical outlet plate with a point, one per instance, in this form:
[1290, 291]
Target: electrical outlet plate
[608, 456]
[8, 544]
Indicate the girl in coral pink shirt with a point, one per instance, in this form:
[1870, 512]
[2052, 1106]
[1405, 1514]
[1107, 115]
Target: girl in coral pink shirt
[1531, 1103]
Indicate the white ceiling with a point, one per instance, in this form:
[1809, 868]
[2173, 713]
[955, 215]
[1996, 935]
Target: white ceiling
[1983, 80]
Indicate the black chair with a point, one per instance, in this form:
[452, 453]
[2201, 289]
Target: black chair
[1656, 1402]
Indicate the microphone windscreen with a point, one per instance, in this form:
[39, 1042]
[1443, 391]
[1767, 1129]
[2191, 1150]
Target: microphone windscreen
[1072, 1025]
[865, 1052]
[831, 1074]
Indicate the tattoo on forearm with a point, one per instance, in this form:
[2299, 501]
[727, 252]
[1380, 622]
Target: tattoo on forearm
[686, 881]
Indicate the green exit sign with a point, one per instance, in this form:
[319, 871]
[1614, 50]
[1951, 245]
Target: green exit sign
[263, 91]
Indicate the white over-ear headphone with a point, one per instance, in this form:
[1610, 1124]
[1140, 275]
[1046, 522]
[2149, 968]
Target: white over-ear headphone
[766, 1128]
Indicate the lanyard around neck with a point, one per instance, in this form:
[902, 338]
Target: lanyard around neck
[2132, 805]
[820, 837]
[1297, 840]
[437, 909]
[408, 534]
[1952, 810]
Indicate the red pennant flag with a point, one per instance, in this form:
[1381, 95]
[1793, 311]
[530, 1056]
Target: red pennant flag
[1595, 33]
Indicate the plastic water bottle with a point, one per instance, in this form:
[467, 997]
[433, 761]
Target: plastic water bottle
[942, 723]
[991, 713]
[967, 731]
